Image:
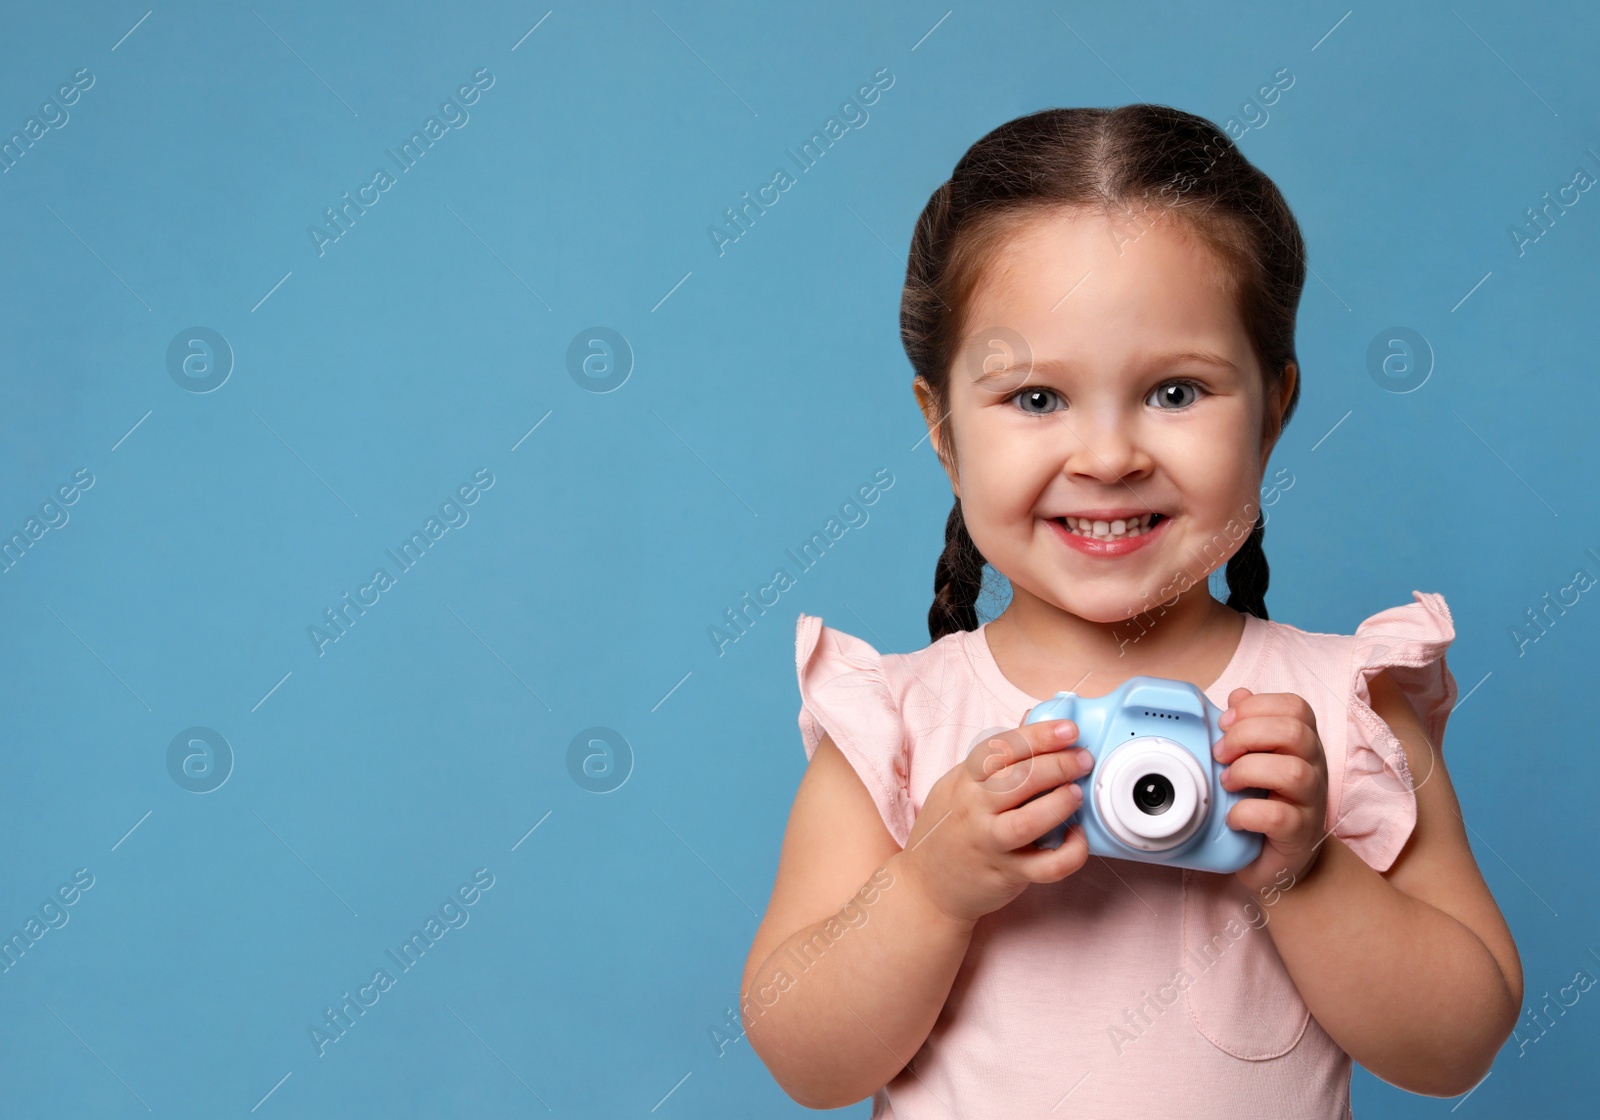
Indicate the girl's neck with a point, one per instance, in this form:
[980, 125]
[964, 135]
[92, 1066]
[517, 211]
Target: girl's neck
[1043, 649]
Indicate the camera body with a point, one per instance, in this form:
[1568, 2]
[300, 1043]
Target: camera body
[1155, 793]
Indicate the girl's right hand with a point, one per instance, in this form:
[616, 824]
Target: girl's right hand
[971, 849]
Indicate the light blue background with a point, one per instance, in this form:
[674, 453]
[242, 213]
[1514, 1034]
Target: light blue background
[767, 384]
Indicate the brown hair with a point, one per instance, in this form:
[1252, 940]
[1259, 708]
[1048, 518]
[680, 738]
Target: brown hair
[1165, 161]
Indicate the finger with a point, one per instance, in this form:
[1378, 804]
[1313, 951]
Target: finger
[1026, 823]
[1281, 704]
[1031, 776]
[1284, 734]
[1292, 777]
[1266, 704]
[997, 750]
[1268, 816]
[1046, 735]
[1235, 699]
[992, 752]
[1051, 865]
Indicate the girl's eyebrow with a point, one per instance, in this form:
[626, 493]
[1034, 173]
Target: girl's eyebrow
[1056, 366]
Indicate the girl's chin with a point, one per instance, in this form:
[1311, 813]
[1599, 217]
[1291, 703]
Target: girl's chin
[1112, 616]
[1119, 605]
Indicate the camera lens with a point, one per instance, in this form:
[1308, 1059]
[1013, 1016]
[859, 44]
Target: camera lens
[1153, 794]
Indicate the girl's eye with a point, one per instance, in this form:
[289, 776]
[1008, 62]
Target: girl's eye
[1035, 402]
[1170, 396]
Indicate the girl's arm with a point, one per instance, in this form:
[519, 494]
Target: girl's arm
[1413, 971]
[852, 962]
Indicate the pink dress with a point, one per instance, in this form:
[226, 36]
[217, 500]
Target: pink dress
[1128, 989]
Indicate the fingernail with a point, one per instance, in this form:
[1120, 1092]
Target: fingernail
[1065, 730]
[1087, 758]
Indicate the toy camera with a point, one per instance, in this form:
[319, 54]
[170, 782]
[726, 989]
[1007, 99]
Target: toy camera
[1155, 793]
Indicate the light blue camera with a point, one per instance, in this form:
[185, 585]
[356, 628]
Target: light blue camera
[1155, 793]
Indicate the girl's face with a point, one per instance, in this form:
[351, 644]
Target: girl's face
[1106, 373]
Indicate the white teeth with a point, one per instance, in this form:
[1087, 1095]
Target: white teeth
[1109, 530]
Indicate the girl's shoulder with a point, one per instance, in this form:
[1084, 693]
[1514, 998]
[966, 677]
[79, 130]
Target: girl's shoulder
[825, 653]
[1418, 631]
[1335, 671]
[848, 677]
[1371, 790]
[878, 708]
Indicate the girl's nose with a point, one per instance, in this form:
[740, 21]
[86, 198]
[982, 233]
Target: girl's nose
[1103, 447]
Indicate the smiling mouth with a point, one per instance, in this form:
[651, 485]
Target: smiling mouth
[1111, 530]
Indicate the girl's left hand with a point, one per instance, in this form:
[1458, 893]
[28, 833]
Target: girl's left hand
[1270, 742]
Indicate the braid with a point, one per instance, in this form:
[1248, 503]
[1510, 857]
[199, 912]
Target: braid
[1248, 573]
[956, 581]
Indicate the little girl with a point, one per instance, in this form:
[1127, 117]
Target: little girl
[1099, 309]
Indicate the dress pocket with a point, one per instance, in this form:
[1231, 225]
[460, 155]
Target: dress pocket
[1240, 996]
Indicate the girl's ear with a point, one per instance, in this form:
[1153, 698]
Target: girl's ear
[1277, 405]
[932, 417]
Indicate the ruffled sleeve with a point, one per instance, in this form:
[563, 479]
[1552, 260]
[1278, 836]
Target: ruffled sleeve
[1376, 808]
[843, 692]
